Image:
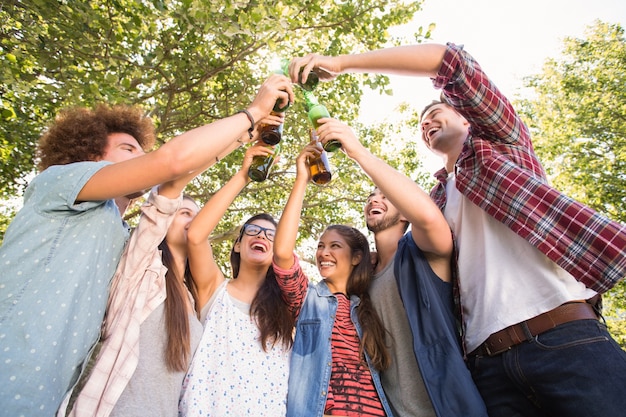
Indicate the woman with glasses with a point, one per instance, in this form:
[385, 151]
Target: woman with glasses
[241, 365]
[339, 346]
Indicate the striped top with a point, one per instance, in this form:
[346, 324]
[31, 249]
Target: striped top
[351, 390]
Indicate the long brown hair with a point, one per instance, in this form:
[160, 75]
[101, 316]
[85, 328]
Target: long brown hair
[359, 282]
[273, 317]
[178, 350]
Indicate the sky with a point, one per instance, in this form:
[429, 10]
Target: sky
[510, 40]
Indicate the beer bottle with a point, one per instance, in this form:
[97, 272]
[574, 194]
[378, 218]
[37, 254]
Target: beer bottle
[311, 81]
[271, 134]
[277, 108]
[318, 111]
[262, 164]
[319, 168]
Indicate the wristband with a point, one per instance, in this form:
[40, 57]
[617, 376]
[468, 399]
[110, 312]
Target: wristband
[249, 116]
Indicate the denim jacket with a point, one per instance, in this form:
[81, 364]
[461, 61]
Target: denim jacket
[311, 360]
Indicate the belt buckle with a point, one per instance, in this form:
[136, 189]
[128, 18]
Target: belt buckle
[495, 352]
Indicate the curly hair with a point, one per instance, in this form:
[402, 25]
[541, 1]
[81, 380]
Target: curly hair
[80, 134]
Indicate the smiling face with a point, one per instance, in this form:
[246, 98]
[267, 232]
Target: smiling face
[443, 129]
[334, 256]
[380, 214]
[256, 245]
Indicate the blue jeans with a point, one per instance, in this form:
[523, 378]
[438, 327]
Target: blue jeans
[575, 369]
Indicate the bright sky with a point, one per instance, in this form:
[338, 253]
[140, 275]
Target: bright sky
[510, 40]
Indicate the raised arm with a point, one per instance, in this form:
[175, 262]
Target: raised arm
[194, 150]
[204, 269]
[414, 60]
[429, 228]
[287, 230]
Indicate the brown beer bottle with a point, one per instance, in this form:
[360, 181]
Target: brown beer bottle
[271, 134]
[319, 168]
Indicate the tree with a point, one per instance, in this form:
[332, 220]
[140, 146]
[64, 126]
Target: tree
[189, 62]
[578, 120]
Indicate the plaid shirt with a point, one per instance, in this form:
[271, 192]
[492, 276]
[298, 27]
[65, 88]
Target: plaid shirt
[499, 171]
[137, 289]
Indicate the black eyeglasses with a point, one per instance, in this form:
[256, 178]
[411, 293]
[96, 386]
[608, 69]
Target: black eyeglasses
[255, 229]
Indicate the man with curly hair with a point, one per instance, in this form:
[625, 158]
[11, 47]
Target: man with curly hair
[62, 248]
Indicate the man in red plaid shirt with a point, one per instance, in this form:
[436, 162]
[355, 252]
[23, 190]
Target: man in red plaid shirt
[531, 260]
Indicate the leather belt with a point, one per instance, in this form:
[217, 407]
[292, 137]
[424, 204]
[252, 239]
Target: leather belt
[508, 337]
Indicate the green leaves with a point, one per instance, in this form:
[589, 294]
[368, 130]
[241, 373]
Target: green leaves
[188, 63]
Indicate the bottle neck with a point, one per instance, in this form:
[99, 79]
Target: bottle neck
[310, 100]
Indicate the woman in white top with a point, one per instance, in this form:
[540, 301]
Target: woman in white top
[241, 365]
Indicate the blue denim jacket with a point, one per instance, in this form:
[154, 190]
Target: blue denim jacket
[311, 360]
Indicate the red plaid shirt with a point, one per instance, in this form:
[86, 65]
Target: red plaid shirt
[499, 171]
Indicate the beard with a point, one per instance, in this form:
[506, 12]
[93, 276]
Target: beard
[386, 222]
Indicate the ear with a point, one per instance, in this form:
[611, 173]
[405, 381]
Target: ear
[356, 259]
[237, 247]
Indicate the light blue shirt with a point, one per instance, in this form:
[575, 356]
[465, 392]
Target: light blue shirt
[56, 264]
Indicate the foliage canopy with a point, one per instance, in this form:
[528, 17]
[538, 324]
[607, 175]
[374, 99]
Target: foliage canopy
[187, 63]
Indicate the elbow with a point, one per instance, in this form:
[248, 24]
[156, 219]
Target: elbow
[195, 237]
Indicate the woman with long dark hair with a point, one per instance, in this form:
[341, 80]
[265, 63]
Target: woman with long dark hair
[339, 344]
[241, 365]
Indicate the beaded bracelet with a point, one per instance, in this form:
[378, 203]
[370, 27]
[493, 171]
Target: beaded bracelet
[249, 116]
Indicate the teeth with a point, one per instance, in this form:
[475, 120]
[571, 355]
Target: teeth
[259, 247]
[326, 263]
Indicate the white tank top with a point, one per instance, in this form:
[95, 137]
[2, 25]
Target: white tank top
[503, 279]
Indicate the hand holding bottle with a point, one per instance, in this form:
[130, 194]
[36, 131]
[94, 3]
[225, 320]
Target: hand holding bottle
[326, 68]
[319, 167]
[333, 130]
[271, 128]
[263, 162]
[276, 88]
[258, 149]
[311, 150]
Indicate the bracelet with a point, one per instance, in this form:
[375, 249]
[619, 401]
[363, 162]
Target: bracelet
[249, 116]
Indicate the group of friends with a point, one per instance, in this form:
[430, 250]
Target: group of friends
[481, 298]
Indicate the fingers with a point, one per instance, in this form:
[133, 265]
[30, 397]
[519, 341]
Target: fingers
[307, 63]
[258, 148]
[274, 119]
[333, 129]
[275, 88]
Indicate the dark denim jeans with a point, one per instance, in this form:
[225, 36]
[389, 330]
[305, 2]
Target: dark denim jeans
[575, 369]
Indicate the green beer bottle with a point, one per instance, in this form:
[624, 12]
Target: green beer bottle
[318, 111]
[311, 81]
[277, 108]
[261, 165]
